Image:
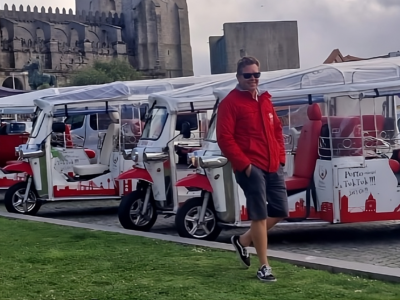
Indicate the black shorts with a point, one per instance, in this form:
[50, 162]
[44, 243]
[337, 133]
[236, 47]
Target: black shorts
[265, 193]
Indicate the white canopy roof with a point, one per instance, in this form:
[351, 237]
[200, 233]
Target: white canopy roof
[339, 78]
[201, 95]
[25, 100]
[129, 90]
[22, 103]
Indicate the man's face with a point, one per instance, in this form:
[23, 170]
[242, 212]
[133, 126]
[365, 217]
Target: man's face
[246, 83]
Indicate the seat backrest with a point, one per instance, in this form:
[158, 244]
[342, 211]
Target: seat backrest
[344, 133]
[373, 123]
[108, 143]
[307, 144]
[68, 138]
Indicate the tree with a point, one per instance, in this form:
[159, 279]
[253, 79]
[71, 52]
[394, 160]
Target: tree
[105, 72]
[44, 86]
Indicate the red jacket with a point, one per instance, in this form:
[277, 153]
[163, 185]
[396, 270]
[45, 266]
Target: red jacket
[250, 132]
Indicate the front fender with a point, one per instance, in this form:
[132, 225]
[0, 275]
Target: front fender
[136, 173]
[23, 167]
[196, 181]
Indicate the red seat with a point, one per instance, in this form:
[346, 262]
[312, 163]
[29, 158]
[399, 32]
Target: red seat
[345, 134]
[394, 165]
[68, 138]
[296, 183]
[13, 162]
[307, 151]
[90, 153]
[373, 125]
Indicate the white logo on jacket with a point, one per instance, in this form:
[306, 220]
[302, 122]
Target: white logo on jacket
[271, 118]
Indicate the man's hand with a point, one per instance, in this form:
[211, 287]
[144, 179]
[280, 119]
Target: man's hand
[248, 171]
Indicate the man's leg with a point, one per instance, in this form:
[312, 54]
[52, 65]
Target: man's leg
[259, 237]
[254, 188]
[277, 210]
[246, 239]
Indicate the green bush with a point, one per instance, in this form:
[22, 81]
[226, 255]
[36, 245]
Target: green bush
[105, 72]
[44, 86]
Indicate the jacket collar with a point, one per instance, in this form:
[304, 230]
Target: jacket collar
[259, 92]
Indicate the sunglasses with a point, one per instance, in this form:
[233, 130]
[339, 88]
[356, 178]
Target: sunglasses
[249, 75]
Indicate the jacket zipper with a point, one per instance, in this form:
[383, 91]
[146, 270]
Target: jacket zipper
[266, 134]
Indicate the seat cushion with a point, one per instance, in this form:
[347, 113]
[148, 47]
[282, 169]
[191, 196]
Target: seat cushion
[13, 162]
[296, 183]
[84, 170]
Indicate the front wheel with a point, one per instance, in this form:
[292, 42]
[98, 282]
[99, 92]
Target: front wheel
[13, 200]
[187, 221]
[130, 212]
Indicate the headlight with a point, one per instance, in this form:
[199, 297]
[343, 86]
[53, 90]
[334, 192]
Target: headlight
[31, 153]
[135, 156]
[212, 161]
[157, 156]
[195, 161]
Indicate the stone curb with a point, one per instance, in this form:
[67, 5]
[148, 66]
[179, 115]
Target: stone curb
[312, 262]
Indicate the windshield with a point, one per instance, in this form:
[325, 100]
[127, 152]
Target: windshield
[37, 122]
[212, 130]
[155, 123]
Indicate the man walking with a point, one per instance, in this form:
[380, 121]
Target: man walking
[249, 134]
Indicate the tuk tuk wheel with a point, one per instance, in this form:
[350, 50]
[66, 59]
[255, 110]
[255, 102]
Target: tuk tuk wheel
[130, 212]
[14, 197]
[187, 221]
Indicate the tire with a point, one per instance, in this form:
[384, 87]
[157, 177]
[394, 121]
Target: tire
[124, 212]
[192, 206]
[9, 199]
[295, 220]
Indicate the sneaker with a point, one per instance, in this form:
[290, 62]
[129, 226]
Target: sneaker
[265, 274]
[241, 251]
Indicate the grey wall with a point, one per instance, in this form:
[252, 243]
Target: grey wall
[274, 44]
[153, 34]
[218, 58]
[159, 36]
[99, 5]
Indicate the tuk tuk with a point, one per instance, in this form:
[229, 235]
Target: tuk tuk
[57, 170]
[163, 154]
[83, 131]
[347, 162]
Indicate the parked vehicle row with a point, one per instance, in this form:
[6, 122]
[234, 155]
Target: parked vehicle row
[159, 153]
[345, 143]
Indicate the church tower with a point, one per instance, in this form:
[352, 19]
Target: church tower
[114, 6]
[159, 36]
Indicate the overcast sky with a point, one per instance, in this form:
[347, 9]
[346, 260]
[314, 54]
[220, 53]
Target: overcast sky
[361, 28]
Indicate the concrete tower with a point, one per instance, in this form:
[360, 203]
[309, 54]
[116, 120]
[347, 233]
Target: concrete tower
[115, 6]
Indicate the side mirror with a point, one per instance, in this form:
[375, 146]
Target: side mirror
[58, 127]
[185, 130]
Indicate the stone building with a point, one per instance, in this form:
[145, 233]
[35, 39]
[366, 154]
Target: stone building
[153, 35]
[275, 44]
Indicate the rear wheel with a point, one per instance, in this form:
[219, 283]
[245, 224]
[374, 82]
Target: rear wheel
[187, 221]
[130, 212]
[13, 200]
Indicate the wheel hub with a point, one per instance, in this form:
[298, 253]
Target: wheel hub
[136, 215]
[18, 201]
[195, 227]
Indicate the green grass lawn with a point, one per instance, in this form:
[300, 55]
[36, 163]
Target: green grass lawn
[44, 261]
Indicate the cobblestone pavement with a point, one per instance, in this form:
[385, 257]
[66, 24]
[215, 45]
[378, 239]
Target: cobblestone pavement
[373, 243]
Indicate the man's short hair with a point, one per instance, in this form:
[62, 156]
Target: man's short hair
[246, 61]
